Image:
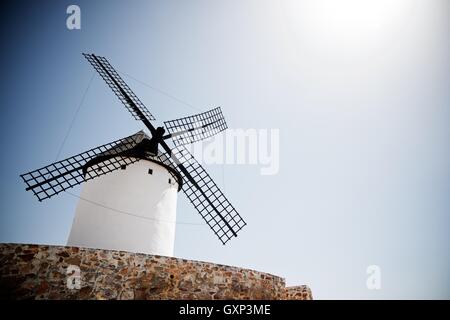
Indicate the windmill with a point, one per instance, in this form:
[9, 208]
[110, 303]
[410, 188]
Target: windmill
[139, 176]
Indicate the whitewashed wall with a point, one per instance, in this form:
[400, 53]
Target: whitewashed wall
[128, 210]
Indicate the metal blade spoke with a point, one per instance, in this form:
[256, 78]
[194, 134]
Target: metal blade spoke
[197, 127]
[62, 175]
[119, 87]
[206, 197]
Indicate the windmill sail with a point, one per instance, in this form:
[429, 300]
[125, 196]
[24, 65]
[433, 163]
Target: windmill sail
[197, 127]
[119, 87]
[62, 175]
[206, 197]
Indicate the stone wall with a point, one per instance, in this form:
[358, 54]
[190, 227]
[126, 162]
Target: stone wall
[58, 272]
[298, 293]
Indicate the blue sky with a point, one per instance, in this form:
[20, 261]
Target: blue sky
[358, 90]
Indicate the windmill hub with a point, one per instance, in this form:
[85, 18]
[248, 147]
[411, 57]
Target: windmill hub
[159, 132]
[156, 139]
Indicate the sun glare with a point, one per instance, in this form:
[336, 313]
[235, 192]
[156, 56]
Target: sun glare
[344, 20]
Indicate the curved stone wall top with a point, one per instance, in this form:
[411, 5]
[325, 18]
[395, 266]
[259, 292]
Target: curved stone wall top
[59, 272]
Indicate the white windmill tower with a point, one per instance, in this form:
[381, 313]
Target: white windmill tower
[129, 198]
[131, 209]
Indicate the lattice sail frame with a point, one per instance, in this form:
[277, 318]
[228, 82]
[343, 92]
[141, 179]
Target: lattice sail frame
[224, 208]
[197, 127]
[62, 175]
[116, 83]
